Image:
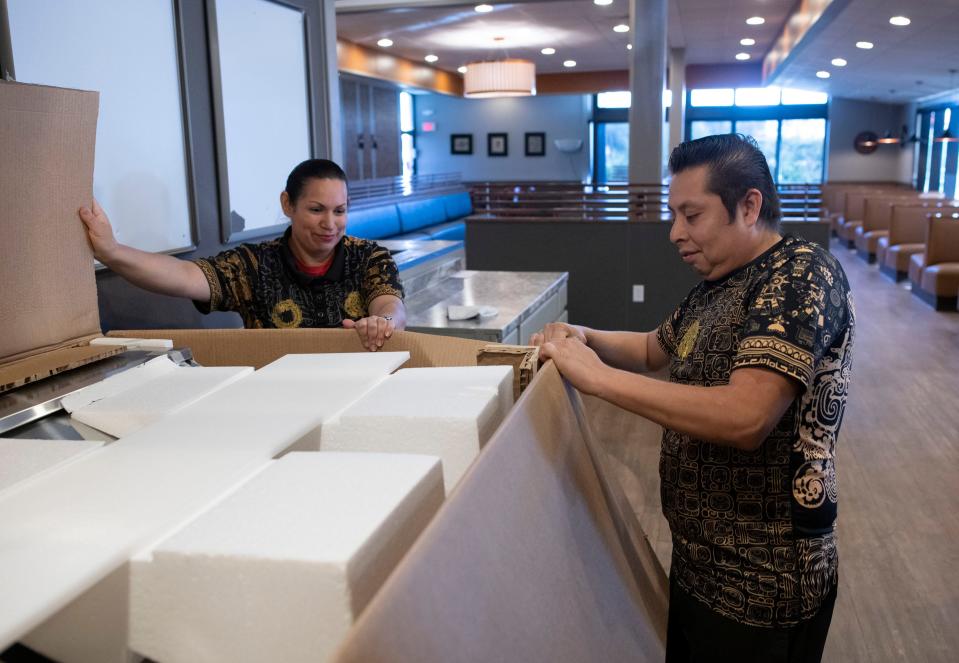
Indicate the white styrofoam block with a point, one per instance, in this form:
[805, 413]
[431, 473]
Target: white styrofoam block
[21, 459]
[157, 344]
[125, 412]
[118, 383]
[495, 378]
[60, 536]
[446, 412]
[380, 363]
[280, 569]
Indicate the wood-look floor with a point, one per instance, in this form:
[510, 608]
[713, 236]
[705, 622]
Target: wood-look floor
[898, 466]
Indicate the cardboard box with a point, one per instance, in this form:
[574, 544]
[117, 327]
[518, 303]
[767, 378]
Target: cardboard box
[49, 294]
[535, 556]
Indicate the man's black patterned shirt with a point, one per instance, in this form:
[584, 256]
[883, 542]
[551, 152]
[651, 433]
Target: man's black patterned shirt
[262, 283]
[754, 531]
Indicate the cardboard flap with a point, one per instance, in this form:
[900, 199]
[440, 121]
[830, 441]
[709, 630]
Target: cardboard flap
[259, 347]
[49, 293]
[523, 563]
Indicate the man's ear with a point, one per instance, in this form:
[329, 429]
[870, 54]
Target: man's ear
[751, 205]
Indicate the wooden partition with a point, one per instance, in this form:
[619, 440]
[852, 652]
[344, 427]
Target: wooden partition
[616, 201]
[622, 274]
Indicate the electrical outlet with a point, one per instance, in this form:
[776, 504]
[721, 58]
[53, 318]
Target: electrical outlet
[639, 294]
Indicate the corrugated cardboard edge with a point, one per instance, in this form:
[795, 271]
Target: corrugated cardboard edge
[523, 358]
[68, 284]
[525, 561]
[38, 366]
[259, 347]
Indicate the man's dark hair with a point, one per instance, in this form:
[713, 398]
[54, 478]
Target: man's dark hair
[735, 165]
[318, 169]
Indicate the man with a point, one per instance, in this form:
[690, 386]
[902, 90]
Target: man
[759, 358]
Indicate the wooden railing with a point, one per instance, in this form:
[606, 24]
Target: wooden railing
[617, 201]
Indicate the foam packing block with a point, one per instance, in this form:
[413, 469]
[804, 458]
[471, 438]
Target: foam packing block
[61, 535]
[21, 459]
[446, 412]
[125, 412]
[118, 383]
[280, 569]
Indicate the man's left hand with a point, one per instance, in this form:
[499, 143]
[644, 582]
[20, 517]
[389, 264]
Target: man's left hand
[578, 364]
[373, 330]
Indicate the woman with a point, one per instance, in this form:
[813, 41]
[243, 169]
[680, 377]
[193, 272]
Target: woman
[313, 276]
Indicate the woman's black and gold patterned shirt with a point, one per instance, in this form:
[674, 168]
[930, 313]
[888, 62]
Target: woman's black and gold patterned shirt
[262, 284]
[754, 531]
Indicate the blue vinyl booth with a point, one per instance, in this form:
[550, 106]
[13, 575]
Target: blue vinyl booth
[437, 217]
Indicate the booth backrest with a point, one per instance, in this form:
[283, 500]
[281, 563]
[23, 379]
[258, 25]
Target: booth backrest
[373, 222]
[416, 214]
[439, 217]
[457, 205]
[877, 210]
[907, 223]
[942, 239]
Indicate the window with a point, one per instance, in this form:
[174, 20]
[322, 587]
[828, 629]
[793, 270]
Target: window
[788, 125]
[407, 144]
[792, 97]
[757, 96]
[766, 133]
[620, 99]
[937, 161]
[612, 151]
[801, 157]
[703, 128]
[708, 97]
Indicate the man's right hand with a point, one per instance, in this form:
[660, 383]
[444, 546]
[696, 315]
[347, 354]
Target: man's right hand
[99, 232]
[555, 331]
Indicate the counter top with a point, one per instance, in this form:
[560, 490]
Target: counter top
[516, 295]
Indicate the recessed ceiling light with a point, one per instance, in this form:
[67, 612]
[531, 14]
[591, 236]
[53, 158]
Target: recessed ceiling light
[899, 20]
[569, 63]
[622, 27]
[747, 42]
[385, 43]
[839, 62]
[548, 51]
[865, 45]
[602, 3]
[629, 47]
[431, 58]
[483, 9]
[742, 56]
[755, 20]
[822, 74]
[462, 70]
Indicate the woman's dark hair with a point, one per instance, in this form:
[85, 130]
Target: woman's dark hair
[735, 165]
[311, 169]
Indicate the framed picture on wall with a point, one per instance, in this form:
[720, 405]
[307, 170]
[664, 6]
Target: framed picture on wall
[461, 144]
[497, 145]
[536, 144]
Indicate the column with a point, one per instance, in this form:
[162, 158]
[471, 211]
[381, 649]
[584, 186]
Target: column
[328, 122]
[647, 78]
[677, 85]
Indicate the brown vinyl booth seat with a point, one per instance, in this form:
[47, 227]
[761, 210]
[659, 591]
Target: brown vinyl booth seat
[907, 236]
[934, 273]
[877, 211]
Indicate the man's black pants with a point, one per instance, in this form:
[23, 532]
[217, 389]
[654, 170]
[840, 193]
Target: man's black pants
[696, 634]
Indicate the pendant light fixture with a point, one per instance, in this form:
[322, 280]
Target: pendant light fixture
[499, 78]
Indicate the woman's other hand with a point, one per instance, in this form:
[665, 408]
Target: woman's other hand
[373, 330]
